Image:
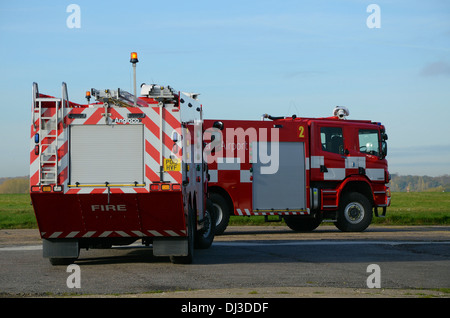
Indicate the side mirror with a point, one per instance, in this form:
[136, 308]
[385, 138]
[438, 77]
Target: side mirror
[383, 149]
[218, 125]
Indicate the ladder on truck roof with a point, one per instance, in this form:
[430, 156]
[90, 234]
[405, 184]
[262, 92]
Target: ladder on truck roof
[50, 114]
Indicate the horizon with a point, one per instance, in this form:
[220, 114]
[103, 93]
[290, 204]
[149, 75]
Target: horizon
[392, 174]
[388, 63]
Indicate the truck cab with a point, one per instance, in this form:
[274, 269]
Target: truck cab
[349, 157]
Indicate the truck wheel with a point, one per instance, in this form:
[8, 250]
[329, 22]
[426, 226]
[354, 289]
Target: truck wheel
[222, 212]
[355, 213]
[302, 224]
[188, 259]
[205, 236]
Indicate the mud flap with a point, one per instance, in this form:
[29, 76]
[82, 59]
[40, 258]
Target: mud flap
[170, 247]
[60, 248]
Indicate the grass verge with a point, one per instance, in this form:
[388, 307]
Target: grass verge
[16, 212]
[414, 208]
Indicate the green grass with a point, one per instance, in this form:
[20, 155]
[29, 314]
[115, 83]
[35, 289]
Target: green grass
[16, 212]
[415, 208]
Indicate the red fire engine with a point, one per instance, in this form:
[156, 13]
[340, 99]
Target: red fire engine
[304, 170]
[118, 170]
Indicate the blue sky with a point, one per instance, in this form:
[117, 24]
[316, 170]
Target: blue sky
[246, 58]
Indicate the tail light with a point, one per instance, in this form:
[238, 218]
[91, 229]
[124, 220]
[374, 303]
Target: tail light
[165, 187]
[46, 188]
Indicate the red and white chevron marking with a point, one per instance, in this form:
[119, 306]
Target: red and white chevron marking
[94, 116]
[103, 234]
[247, 212]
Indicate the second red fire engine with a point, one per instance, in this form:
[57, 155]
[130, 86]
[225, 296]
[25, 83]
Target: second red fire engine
[304, 170]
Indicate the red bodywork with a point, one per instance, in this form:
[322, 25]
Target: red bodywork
[125, 215]
[330, 172]
[65, 211]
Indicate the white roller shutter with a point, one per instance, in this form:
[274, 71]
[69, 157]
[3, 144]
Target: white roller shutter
[106, 153]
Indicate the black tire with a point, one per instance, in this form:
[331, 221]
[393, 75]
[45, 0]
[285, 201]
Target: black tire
[188, 259]
[355, 213]
[223, 212]
[205, 236]
[302, 224]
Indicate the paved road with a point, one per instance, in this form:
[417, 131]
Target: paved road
[246, 261]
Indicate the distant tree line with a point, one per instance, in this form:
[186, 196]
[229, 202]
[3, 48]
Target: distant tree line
[419, 183]
[15, 185]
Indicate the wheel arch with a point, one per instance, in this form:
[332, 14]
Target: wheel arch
[359, 185]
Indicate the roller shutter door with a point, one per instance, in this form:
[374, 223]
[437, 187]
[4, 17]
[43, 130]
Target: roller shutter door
[106, 153]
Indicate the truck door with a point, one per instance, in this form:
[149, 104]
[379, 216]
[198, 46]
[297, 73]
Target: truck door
[328, 152]
[280, 187]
